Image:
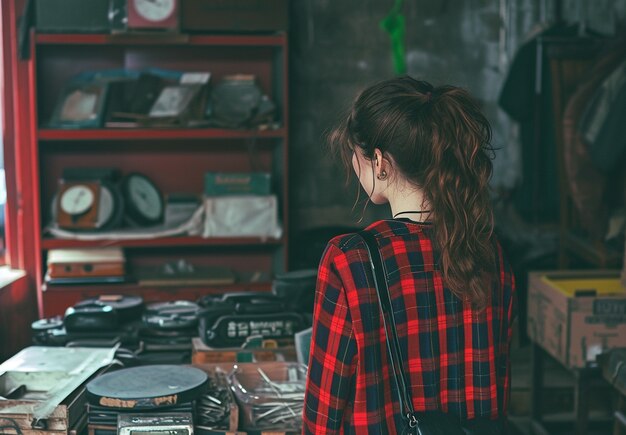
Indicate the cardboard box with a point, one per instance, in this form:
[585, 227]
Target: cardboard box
[50, 385]
[202, 354]
[576, 315]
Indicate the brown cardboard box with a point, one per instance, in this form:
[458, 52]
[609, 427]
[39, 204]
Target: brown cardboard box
[202, 354]
[575, 315]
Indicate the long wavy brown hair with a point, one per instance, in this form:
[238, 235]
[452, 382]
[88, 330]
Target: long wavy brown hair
[439, 140]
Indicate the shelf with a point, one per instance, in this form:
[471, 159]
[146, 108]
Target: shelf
[160, 39]
[174, 157]
[51, 243]
[57, 298]
[155, 134]
[136, 288]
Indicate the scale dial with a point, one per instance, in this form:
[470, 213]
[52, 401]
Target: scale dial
[154, 10]
[77, 200]
[153, 14]
[143, 199]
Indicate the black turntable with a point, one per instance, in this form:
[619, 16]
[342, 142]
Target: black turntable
[147, 388]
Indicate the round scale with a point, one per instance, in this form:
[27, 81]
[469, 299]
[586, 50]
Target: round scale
[110, 206]
[77, 199]
[144, 201]
[154, 11]
[147, 387]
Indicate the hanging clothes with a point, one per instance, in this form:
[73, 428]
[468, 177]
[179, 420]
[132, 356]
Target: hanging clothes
[526, 96]
[602, 122]
[588, 183]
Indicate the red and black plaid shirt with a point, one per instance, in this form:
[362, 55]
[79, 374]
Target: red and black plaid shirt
[457, 358]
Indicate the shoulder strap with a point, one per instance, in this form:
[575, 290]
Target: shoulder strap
[393, 344]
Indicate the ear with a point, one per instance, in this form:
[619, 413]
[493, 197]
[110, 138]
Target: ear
[378, 160]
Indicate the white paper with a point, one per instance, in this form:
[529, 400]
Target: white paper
[242, 216]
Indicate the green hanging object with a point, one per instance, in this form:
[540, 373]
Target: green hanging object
[394, 24]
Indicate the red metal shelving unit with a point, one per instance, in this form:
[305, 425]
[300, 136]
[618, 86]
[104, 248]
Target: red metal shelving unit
[55, 58]
[134, 287]
[155, 134]
[277, 40]
[51, 243]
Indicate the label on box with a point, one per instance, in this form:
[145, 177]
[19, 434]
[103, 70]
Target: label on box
[609, 307]
[242, 183]
[610, 312]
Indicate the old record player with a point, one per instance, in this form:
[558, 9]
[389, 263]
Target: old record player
[128, 307]
[147, 388]
[166, 331]
[232, 319]
[106, 320]
[104, 313]
[156, 392]
[175, 315]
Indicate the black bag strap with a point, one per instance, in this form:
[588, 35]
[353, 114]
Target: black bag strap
[393, 344]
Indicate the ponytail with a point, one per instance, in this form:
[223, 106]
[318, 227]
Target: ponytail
[456, 187]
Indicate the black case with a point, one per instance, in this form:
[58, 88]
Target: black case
[72, 16]
[229, 321]
[234, 15]
[91, 317]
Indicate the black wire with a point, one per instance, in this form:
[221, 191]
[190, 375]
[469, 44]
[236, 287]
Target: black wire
[410, 211]
[13, 426]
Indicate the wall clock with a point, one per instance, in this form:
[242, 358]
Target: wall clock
[153, 14]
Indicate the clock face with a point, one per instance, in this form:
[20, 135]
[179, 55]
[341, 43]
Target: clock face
[77, 200]
[145, 197]
[154, 10]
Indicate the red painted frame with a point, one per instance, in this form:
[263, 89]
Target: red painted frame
[18, 300]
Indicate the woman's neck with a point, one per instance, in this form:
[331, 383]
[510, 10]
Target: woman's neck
[408, 198]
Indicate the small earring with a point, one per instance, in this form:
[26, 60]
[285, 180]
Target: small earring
[382, 175]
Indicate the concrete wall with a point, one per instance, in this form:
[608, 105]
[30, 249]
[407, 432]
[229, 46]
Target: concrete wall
[337, 48]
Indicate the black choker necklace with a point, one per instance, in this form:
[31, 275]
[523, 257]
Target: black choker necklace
[409, 212]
